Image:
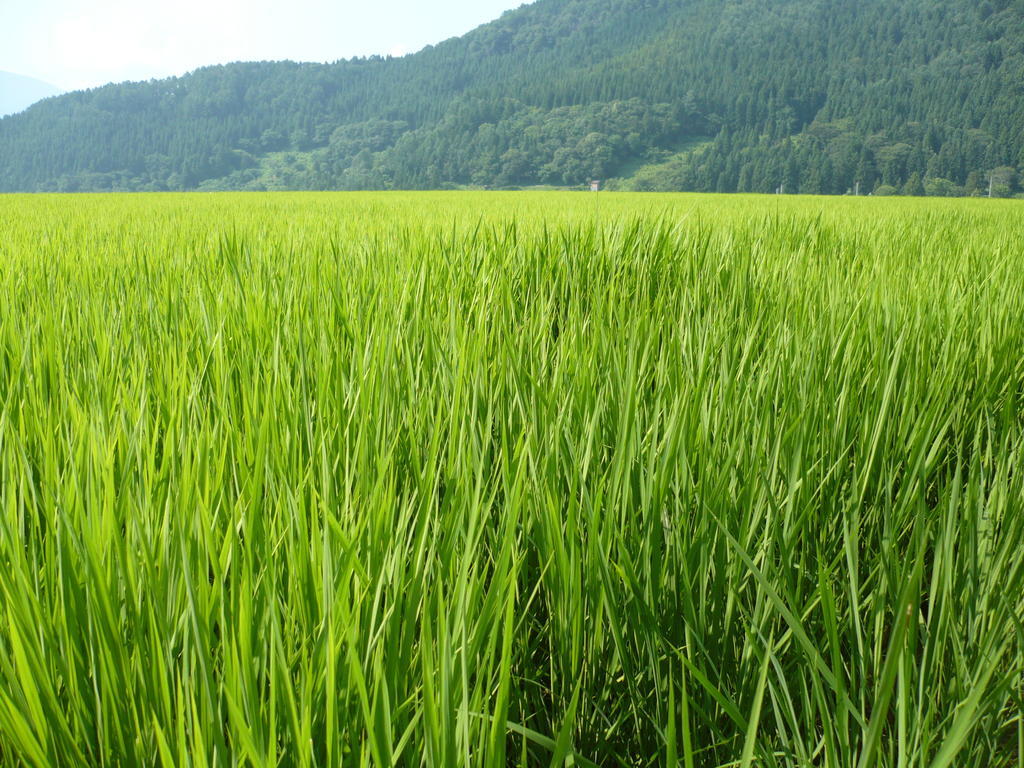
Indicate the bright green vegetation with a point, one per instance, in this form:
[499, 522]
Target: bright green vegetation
[461, 480]
[908, 97]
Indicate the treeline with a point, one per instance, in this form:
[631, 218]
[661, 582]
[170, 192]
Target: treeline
[814, 96]
[515, 145]
[832, 159]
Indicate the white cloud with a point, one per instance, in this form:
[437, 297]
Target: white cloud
[84, 43]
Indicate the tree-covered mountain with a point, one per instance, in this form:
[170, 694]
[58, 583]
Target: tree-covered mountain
[823, 96]
[18, 92]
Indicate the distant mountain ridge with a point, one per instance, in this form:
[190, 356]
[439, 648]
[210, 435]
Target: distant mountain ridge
[817, 96]
[18, 92]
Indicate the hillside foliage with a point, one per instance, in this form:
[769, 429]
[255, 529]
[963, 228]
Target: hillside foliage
[813, 96]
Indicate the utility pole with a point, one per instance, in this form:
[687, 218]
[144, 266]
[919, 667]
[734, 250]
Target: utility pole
[991, 180]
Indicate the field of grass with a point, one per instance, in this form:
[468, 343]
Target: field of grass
[498, 479]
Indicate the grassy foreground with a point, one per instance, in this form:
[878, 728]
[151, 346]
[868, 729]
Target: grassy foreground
[487, 480]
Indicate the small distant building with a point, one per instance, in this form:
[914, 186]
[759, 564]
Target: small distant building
[595, 186]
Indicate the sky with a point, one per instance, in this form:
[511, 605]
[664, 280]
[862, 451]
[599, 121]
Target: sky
[75, 44]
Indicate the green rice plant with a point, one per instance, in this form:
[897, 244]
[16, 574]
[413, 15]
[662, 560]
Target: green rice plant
[496, 479]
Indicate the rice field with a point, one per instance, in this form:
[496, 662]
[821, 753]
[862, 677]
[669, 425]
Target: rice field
[458, 479]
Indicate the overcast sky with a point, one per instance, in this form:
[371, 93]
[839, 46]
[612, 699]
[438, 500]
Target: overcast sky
[82, 43]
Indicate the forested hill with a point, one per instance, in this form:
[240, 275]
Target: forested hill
[818, 96]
